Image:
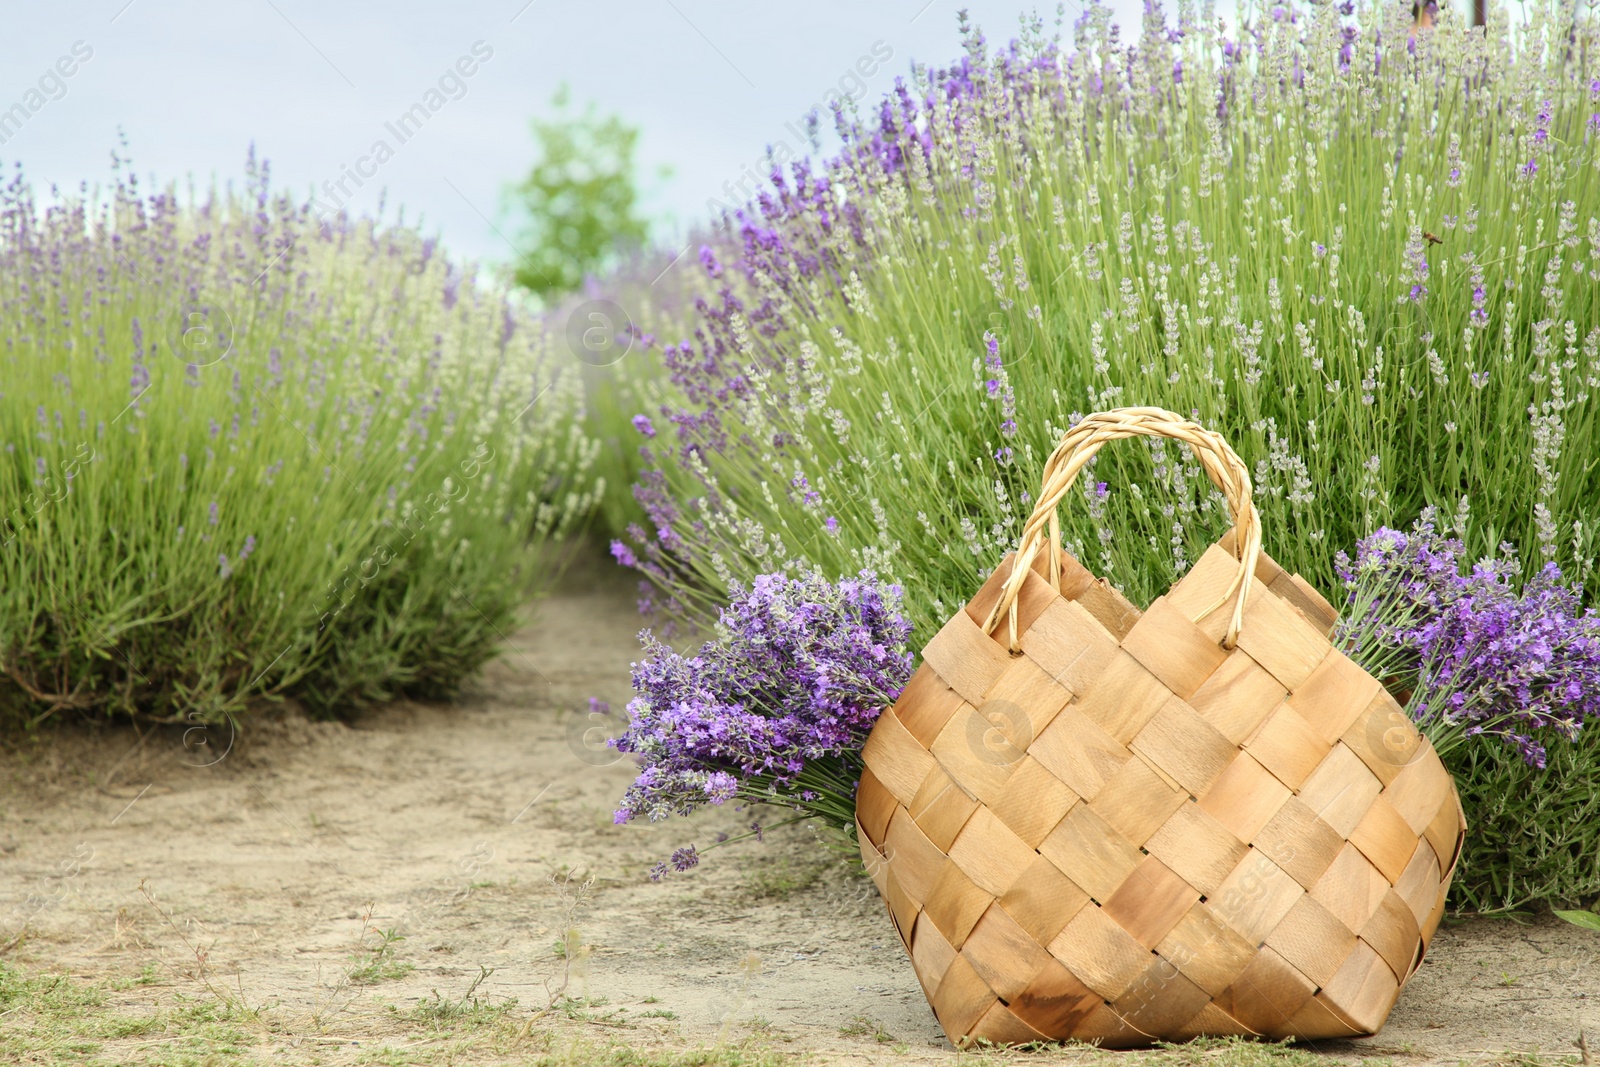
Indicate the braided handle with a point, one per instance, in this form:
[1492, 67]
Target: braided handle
[1078, 446]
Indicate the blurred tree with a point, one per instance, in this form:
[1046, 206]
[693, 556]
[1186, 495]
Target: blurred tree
[580, 199]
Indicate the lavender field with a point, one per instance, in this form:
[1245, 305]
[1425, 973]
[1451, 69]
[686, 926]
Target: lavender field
[456, 641]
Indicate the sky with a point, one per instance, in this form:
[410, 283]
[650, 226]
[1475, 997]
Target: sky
[315, 86]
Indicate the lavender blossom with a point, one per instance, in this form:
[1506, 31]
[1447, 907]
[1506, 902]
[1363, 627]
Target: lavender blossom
[775, 709]
[1480, 656]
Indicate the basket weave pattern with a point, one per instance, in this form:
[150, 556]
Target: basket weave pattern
[1126, 826]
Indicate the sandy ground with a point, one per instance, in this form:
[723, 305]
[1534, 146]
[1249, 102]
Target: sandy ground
[260, 869]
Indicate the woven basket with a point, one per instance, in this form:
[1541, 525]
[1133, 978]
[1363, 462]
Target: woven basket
[1118, 826]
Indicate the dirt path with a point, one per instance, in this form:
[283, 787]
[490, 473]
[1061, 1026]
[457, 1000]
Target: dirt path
[267, 875]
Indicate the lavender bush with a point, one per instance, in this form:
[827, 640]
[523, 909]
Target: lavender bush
[1369, 256]
[244, 452]
[775, 709]
[1478, 655]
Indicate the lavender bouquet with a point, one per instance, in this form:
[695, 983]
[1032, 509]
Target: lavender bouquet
[774, 710]
[1480, 653]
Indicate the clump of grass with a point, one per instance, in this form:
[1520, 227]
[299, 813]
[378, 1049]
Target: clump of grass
[746, 1053]
[862, 1026]
[776, 878]
[380, 962]
[246, 453]
[55, 1019]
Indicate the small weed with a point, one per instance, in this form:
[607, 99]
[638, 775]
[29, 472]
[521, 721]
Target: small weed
[861, 1026]
[781, 878]
[378, 964]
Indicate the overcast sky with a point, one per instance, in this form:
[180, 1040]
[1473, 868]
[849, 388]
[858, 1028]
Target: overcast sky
[709, 82]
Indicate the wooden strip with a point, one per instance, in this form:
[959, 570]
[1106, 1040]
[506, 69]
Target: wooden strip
[1043, 900]
[898, 760]
[872, 861]
[1123, 698]
[1298, 594]
[1340, 790]
[1110, 608]
[1208, 951]
[1245, 797]
[1299, 842]
[1420, 789]
[1281, 640]
[926, 704]
[962, 999]
[1315, 1021]
[931, 954]
[990, 854]
[1078, 752]
[1444, 833]
[1312, 940]
[1267, 992]
[966, 658]
[1003, 953]
[1363, 990]
[945, 812]
[1384, 737]
[1137, 800]
[1334, 695]
[1205, 583]
[1198, 847]
[1173, 649]
[1069, 645]
[1033, 802]
[1001, 1026]
[1160, 1000]
[903, 907]
[1238, 697]
[1394, 934]
[1419, 882]
[1181, 743]
[1351, 888]
[1385, 839]
[1100, 953]
[955, 905]
[1150, 902]
[978, 753]
[1055, 1002]
[1025, 694]
[915, 859]
[1287, 746]
[874, 806]
[1255, 898]
[1035, 596]
[1211, 1021]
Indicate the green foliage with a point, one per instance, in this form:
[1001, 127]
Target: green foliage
[581, 198]
[1533, 835]
[244, 452]
[379, 963]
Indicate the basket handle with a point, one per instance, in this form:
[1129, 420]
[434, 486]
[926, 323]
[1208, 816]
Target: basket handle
[1078, 446]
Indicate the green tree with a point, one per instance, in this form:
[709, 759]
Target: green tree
[581, 198]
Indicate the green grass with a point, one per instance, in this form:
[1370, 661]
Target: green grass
[243, 455]
[56, 1019]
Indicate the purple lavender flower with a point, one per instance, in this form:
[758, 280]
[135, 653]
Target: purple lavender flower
[1480, 656]
[623, 554]
[775, 709]
[643, 424]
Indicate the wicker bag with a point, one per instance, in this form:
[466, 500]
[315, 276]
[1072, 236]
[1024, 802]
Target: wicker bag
[1119, 826]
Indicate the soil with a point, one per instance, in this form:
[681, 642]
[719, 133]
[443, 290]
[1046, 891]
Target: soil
[263, 868]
